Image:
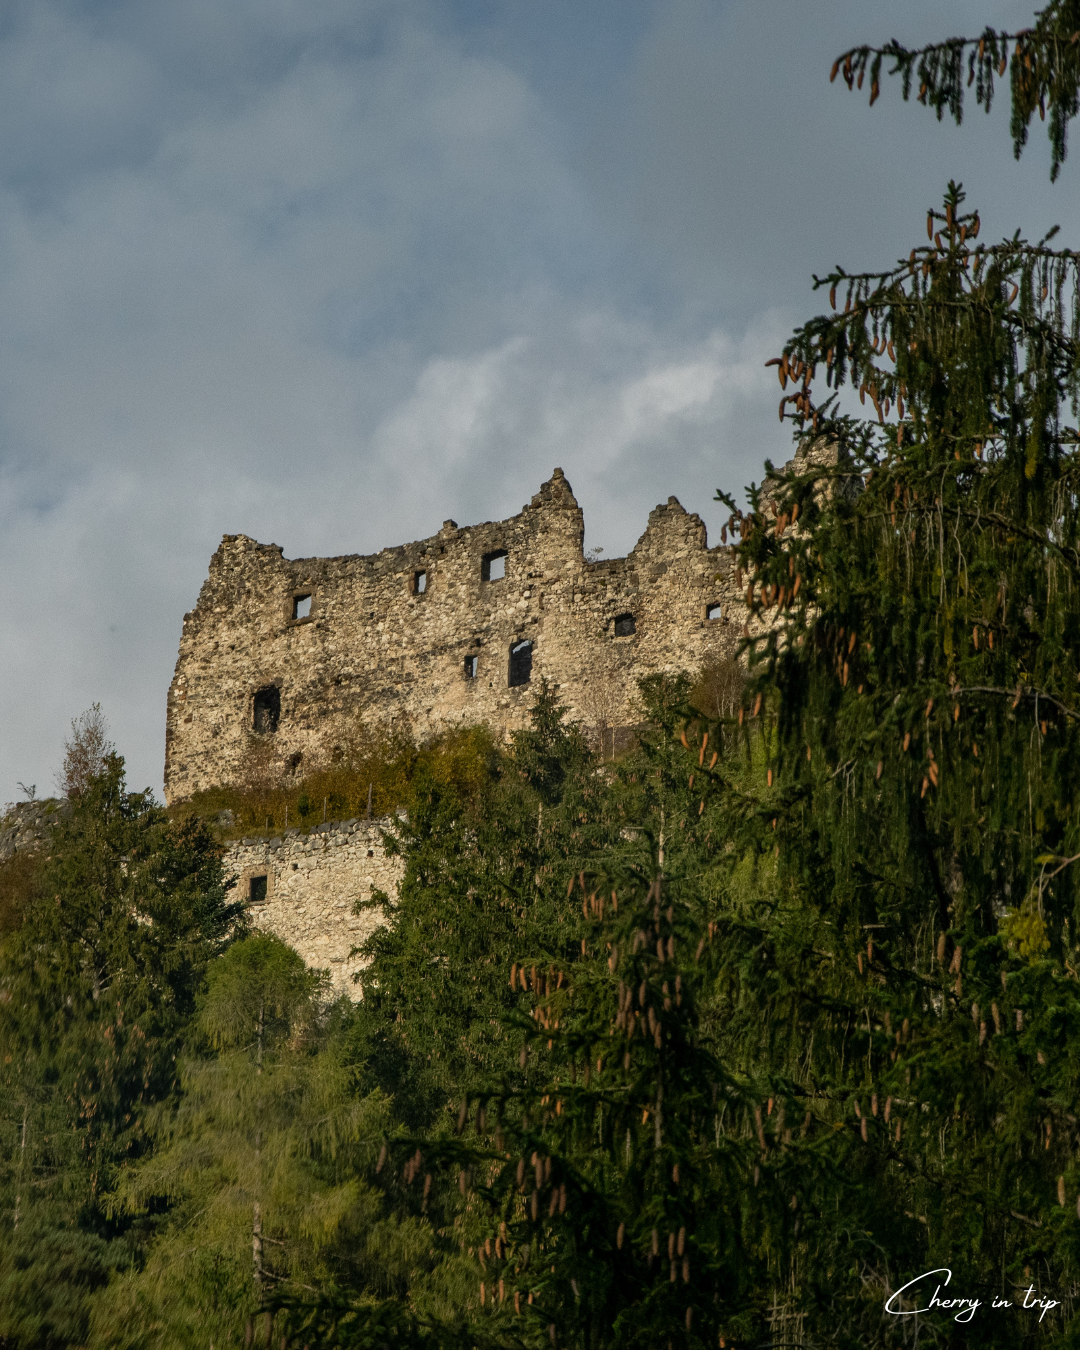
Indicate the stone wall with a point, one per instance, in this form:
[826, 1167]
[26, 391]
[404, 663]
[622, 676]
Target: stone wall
[312, 882]
[26, 827]
[421, 636]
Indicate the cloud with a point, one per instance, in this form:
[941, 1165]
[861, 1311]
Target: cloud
[630, 414]
[328, 302]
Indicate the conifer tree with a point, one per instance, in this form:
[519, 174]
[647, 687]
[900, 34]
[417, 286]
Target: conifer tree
[627, 1121]
[478, 875]
[256, 1163]
[920, 569]
[96, 986]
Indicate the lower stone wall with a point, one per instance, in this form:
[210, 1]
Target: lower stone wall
[312, 880]
[303, 887]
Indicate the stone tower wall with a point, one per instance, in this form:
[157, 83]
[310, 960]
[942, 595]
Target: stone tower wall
[378, 648]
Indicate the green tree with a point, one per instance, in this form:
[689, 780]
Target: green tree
[620, 1114]
[478, 847]
[97, 984]
[922, 671]
[258, 1163]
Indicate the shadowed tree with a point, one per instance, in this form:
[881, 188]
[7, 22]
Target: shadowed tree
[922, 668]
[97, 984]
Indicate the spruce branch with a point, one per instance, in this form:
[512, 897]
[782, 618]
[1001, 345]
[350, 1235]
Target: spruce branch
[1043, 67]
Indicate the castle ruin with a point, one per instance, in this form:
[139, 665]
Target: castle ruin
[285, 657]
[289, 654]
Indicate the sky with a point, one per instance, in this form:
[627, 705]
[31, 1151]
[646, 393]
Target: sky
[327, 272]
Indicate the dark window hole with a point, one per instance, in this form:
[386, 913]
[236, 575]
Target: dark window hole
[471, 662]
[267, 710]
[301, 607]
[419, 584]
[493, 565]
[521, 655]
[257, 890]
[624, 625]
[712, 611]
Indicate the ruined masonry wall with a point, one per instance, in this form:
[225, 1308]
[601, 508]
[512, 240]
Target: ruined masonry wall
[379, 648]
[313, 882]
[26, 827]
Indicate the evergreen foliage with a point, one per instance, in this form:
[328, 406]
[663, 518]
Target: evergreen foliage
[480, 875]
[566, 1145]
[96, 986]
[1043, 67]
[257, 1162]
[923, 677]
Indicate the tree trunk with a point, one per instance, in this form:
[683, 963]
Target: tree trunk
[256, 1209]
[22, 1163]
[256, 1246]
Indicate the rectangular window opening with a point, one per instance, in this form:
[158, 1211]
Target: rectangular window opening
[624, 625]
[493, 565]
[471, 662]
[521, 655]
[266, 710]
[419, 583]
[712, 611]
[301, 607]
[257, 890]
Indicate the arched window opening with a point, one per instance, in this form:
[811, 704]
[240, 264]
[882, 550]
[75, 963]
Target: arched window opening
[712, 611]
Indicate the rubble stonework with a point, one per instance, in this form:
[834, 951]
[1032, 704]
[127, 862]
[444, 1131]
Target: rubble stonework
[26, 827]
[312, 883]
[312, 880]
[421, 636]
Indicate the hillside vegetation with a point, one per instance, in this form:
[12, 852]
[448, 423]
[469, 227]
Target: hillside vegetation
[720, 1043]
